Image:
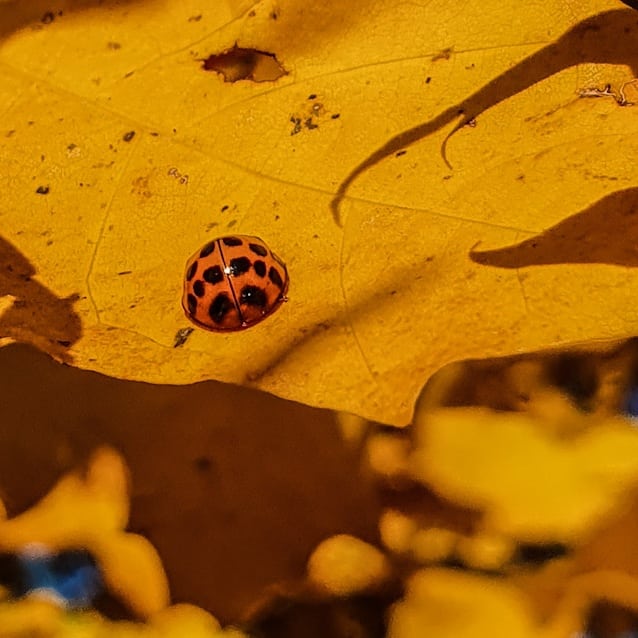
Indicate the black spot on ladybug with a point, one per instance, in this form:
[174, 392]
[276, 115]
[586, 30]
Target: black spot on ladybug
[192, 304]
[190, 273]
[258, 249]
[213, 275]
[220, 307]
[198, 288]
[239, 266]
[232, 241]
[253, 296]
[275, 277]
[260, 268]
[207, 249]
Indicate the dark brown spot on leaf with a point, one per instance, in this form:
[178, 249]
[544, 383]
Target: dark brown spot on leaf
[203, 464]
[181, 337]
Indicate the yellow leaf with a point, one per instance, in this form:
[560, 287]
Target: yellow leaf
[344, 565]
[38, 618]
[76, 511]
[185, 620]
[91, 512]
[485, 551]
[122, 155]
[29, 617]
[529, 483]
[450, 604]
[133, 571]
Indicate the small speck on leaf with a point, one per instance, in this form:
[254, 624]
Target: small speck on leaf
[127, 137]
[297, 125]
[181, 337]
[42, 190]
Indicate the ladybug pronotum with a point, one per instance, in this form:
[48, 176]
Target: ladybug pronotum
[232, 283]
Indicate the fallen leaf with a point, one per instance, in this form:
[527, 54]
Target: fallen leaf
[450, 604]
[38, 618]
[530, 484]
[122, 155]
[90, 513]
[344, 565]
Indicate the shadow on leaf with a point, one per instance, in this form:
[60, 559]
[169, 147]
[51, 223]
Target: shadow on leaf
[606, 38]
[604, 233]
[36, 315]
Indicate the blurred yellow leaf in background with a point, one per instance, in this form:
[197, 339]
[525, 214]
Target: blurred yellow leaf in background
[91, 513]
[530, 484]
[449, 605]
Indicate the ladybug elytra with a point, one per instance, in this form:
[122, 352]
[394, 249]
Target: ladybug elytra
[232, 283]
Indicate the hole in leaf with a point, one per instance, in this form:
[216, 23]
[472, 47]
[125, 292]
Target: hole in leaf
[245, 64]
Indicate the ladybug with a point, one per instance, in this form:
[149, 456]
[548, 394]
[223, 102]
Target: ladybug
[232, 283]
